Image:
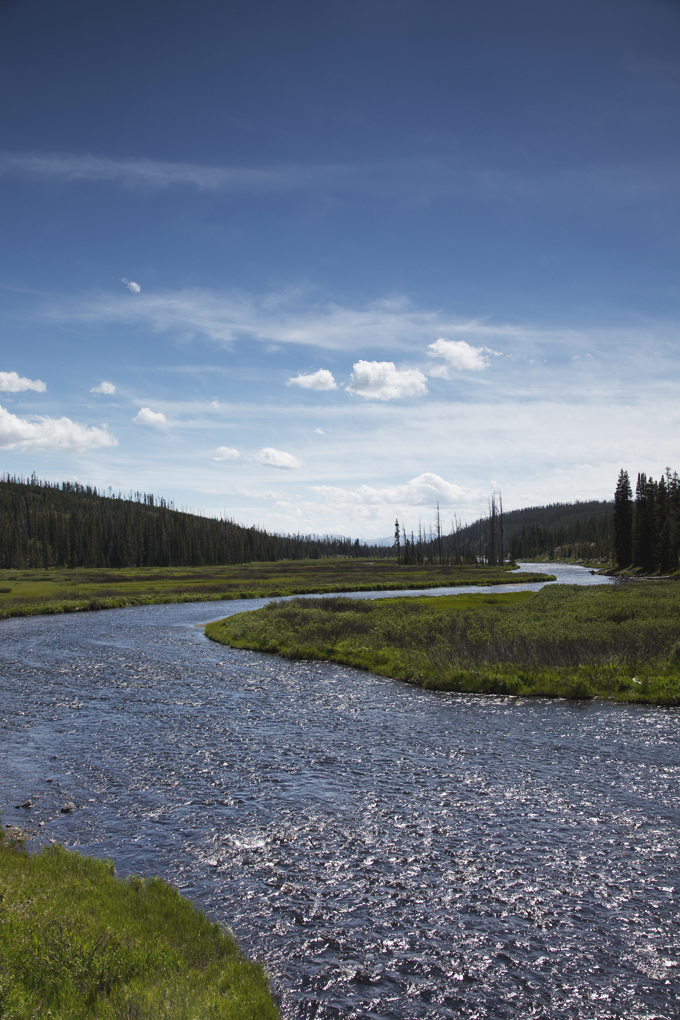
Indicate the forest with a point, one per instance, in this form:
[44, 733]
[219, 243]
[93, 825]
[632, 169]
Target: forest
[579, 531]
[66, 524]
[646, 529]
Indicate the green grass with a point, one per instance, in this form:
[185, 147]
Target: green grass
[614, 641]
[33, 592]
[76, 943]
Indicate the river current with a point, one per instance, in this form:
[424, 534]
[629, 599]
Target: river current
[387, 852]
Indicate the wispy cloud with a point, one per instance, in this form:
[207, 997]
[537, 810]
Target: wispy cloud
[282, 317]
[133, 287]
[293, 317]
[240, 490]
[226, 453]
[44, 433]
[321, 380]
[431, 175]
[269, 457]
[381, 380]
[106, 388]
[10, 382]
[145, 416]
[164, 174]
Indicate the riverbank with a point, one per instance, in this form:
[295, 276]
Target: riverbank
[77, 942]
[563, 641]
[48, 592]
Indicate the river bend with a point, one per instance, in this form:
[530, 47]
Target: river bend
[388, 852]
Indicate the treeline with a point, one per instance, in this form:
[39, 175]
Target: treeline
[581, 531]
[65, 524]
[590, 539]
[647, 528]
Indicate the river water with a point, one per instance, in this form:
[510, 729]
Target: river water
[388, 852]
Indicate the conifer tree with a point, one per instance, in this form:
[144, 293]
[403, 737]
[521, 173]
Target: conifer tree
[623, 521]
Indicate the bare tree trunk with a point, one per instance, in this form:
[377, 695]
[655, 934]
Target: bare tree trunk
[502, 548]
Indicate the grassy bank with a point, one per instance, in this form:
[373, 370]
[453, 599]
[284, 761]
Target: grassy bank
[36, 592]
[76, 942]
[619, 642]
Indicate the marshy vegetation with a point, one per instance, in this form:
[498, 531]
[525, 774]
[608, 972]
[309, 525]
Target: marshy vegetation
[614, 641]
[33, 592]
[78, 943]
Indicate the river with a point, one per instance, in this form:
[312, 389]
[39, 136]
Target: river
[388, 852]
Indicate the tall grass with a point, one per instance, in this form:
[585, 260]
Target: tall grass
[568, 641]
[77, 943]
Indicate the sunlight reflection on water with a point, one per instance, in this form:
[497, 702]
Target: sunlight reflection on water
[388, 851]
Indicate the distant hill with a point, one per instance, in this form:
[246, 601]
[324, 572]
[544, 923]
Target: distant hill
[581, 529]
[65, 524]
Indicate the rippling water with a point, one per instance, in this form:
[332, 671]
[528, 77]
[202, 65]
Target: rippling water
[387, 851]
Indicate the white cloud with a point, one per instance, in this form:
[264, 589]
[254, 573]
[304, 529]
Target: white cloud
[131, 285]
[269, 457]
[427, 489]
[321, 380]
[50, 434]
[460, 355]
[145, 416]
[320, 432]
[10, 382]
[104, 387]
[226, 453]
[381, 380]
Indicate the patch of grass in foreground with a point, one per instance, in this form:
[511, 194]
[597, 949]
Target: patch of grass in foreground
[76, 942]
[611, 641]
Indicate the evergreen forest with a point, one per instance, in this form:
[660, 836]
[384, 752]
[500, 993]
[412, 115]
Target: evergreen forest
[647, 527]
[65, 524]
[68, 525]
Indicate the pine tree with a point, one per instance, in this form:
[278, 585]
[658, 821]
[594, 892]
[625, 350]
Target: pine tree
[643, 524]
[623, 521]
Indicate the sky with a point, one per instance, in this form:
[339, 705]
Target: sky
[319, 265]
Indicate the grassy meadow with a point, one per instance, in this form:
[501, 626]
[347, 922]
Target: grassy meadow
[76, 943]
[612, 641]
[32, 592]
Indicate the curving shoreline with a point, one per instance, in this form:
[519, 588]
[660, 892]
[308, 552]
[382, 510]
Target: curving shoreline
[561, 642]
[85, 605]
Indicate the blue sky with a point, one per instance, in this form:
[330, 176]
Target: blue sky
[319, 265]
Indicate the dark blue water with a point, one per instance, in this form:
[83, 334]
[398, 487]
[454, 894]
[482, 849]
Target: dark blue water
[386, 851]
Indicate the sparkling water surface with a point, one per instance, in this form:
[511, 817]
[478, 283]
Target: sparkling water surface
[386, 851]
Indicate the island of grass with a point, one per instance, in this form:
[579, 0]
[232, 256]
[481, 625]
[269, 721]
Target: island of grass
[78, 943]
[35, 592]
[614, 641]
